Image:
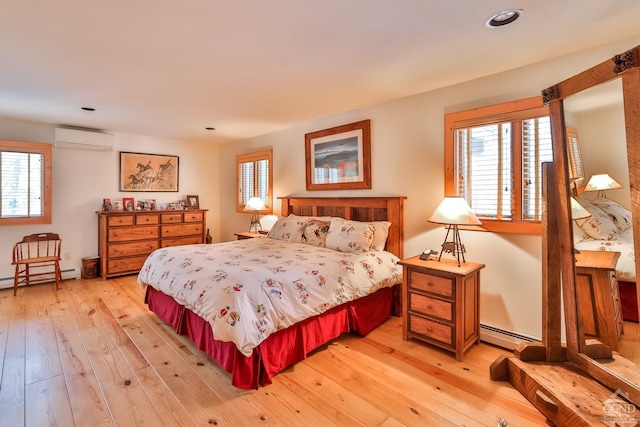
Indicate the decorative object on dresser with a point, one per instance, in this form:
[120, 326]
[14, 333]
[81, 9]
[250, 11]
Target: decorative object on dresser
[441, 303]
[600, 183]
[125, 239]
[128, 204]
[193, 202]
[148, 172]
[598, 296]
[254, 205]
[454, 211]
[339, 158]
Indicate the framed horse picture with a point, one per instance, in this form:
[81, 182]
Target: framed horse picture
[148, 172]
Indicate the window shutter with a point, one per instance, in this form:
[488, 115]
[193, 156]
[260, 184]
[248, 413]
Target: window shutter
[536, 149]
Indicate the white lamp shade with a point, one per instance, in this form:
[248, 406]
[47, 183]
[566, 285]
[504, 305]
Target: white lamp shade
[602, 182]
[578, 211]
[254, 204]
[454, 210]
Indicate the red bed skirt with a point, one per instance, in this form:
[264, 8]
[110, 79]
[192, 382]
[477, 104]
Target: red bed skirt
[628, 300]
[281, 348]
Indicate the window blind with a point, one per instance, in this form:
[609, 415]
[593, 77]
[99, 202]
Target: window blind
[21, 184]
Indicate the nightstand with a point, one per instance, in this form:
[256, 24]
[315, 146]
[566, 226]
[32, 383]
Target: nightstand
[248, 235]
[441, 303]
[598, 296]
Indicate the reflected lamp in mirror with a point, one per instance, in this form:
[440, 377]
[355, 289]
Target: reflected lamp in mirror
[452, 212]
[254, 205]
[578, 212]
[600, 183]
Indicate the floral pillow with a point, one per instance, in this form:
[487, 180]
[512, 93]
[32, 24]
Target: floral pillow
[380, 234]
[598, 226]
[314, 232]
[349, 236]
[286, 228]
[620, 216]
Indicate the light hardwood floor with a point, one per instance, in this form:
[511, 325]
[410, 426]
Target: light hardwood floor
[92, 354]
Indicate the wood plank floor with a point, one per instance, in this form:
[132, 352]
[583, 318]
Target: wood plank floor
[91, 354]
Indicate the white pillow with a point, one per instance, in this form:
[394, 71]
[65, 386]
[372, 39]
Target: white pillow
[349, 236]
[620, 216]
[598, 226]
[380, 234]
[286, 228]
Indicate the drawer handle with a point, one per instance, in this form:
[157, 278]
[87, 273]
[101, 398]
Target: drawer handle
[429, 283]
[429, 306]
[429, 328]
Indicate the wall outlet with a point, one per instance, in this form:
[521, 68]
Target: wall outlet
[67, 255]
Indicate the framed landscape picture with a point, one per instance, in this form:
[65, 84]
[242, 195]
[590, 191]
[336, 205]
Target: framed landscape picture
[339, 158]
[148, 172]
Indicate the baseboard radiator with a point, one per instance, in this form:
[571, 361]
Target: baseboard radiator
[503, 338]
[68, 274]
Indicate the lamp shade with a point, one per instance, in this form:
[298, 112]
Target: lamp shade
[254, 204]
[578, 211]
[602, 182]
[454, 210]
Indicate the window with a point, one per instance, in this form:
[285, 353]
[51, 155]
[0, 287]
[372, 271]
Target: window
[25, 183]
[255, 178]
[494, 159]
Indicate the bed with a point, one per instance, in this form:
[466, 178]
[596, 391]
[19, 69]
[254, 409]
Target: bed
[257, 306]
[609, 228]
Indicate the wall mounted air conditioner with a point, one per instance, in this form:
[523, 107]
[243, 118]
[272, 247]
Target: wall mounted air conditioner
[83, 139]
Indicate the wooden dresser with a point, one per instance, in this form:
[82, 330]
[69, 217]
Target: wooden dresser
[598, 296]
[441, 303]
[125, 238]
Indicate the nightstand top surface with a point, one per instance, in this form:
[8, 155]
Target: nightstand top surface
[445, 264]
[597, 259]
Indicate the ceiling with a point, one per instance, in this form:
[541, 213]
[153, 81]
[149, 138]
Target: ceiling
[171, 68]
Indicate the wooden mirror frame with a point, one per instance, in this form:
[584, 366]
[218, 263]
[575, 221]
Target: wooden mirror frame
[578, 350]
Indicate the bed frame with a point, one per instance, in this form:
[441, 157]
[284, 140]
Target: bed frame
[291, 345]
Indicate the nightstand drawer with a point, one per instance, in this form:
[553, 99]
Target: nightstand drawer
[431, 306]
[430, 329]
[430, 283]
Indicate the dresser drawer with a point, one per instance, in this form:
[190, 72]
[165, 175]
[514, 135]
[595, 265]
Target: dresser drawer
[181, 230]
[123, 234]
[125, 265]
[169, 218]
[182, 241]
[142, 219]
[430, 283]
[118, 220]
[431, 306]
[144, 247]
[432, 330]
[193, 217]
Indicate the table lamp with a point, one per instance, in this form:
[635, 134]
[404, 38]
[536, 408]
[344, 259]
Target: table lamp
[254, 205]
[452, 212]
[600, 183]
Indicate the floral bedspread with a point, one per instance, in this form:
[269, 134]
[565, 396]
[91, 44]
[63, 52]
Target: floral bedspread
[248, 289]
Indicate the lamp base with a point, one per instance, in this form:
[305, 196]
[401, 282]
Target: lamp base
[455, 248]
[255, 226]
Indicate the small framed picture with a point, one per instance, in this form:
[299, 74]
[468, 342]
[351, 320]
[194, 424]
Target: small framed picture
[117, 205]
[128, 204]
[193, 202]
[106, 205]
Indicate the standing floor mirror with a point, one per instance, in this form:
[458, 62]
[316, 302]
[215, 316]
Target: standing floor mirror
[573, 381]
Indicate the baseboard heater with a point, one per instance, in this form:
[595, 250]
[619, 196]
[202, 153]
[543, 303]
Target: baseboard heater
[503, 338]
[68, 274]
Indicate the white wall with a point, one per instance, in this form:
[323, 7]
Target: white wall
[81, 179]
[408, 159]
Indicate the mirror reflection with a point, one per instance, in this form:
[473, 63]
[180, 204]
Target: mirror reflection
[605, 267]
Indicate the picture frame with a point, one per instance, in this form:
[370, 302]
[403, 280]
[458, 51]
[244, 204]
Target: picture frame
[106, 205]
[148, 172]
[128, 204]
[193, 202]
[117, 205]
[339, 158]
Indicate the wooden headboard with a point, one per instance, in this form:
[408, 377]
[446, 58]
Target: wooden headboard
[355, 208]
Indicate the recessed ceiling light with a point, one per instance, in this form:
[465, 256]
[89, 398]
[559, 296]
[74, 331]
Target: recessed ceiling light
[503, 18]
[210, 128]
[88, 109]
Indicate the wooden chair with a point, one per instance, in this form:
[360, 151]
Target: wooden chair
[34, 256]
